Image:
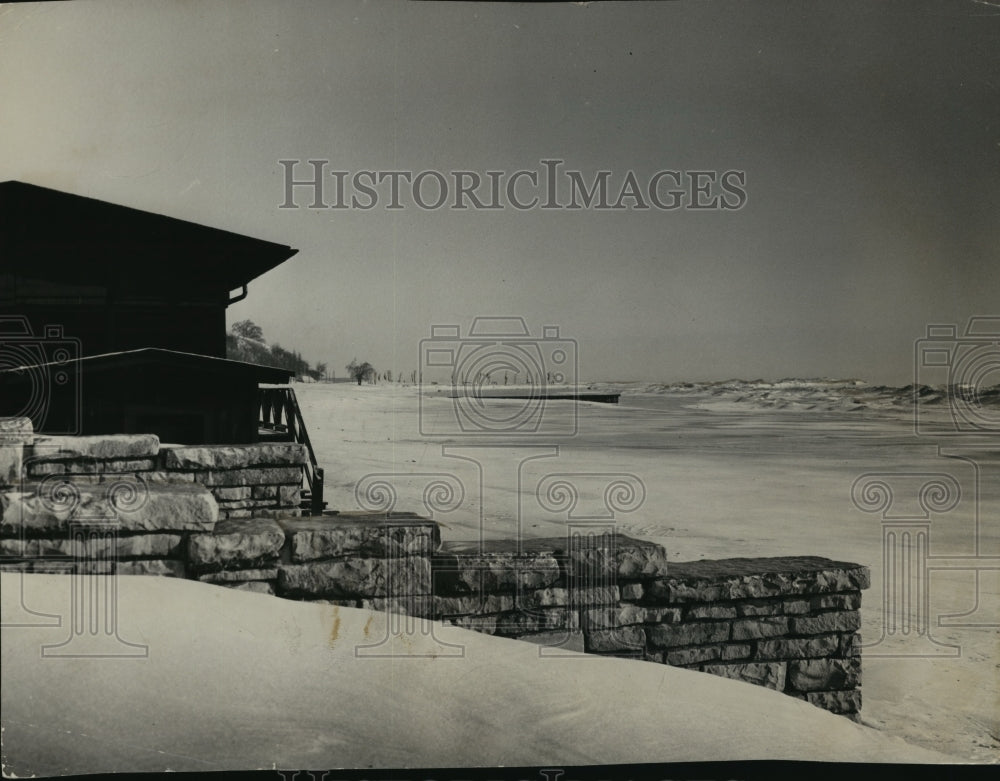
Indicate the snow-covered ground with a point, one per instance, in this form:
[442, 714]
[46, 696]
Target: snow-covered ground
[239, 680]
[724, 475]
[244, 681]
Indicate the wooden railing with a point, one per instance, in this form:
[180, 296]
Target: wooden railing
[279, 412]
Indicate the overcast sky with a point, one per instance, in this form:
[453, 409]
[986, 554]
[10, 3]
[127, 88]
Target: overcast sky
[869, 134]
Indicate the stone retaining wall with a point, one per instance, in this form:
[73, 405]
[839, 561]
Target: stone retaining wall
[789, 623]
[247, 481]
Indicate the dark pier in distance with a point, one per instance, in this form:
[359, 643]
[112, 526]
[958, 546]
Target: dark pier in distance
[602, 398]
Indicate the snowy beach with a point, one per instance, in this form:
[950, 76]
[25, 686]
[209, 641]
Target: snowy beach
[724, 476]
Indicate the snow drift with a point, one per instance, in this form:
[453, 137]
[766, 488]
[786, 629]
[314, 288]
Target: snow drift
[236, 680]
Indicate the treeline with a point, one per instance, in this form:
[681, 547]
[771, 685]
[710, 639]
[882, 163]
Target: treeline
[245, 342]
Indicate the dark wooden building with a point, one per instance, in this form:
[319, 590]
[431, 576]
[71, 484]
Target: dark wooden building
[117, 278]
[112, 320]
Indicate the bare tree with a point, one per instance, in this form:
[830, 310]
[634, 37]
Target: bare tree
[360, 371]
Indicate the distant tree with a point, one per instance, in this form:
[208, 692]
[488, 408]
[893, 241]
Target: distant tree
[360, 371]
[320, 371]
[388, 375]
[248, 329]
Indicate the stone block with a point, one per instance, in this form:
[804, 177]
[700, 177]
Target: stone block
[621, 557]
[162, 476]
[798, 647]
[519, 622]
[239, 575]
[419, 606]
[557, 596]
[762, 626]
[837, 702]
[158, 507]
[91, 467]
[675, 592]
[771, 675]
[170, 568]
[495, 572]
[356, 578]
[686, 656]
[797, 607]
[289, 495]
[850, 645]
[837, 602]
[625, 638]
[627, 614]
[809, 675]
[323, 537]
[737, 651]
[836, 621]
[19, 428]
[263, 491]
[557, 641]
[239, 504]
[711, 611]
[236, 543]
[275, 475]
[697, 633]
[216, 457]
[732, 579]
[118, 466]
[637, 559]
[612, 617]
[45, 468]
[473, 604]
[278, 513]
[156, 546]
[232, 493]
[485, 624]
[103, 447]
[759, 608]
[631, 592]
[11, 462]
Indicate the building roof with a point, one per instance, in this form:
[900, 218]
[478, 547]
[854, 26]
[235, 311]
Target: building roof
[71, 239]
[155, 356]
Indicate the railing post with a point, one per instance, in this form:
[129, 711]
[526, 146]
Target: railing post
[317, 491]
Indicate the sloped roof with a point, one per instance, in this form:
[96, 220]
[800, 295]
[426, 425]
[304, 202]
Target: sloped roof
[52, 235]
[149, 356]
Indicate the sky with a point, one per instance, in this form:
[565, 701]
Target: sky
[867, 136]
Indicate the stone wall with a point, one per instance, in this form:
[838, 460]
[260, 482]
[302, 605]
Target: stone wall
[229, 515]
[247, 481]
